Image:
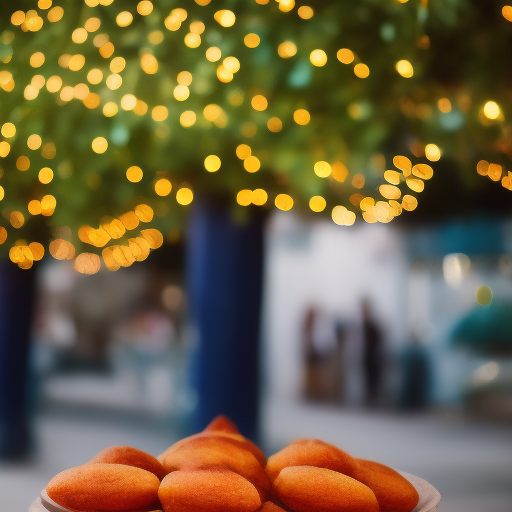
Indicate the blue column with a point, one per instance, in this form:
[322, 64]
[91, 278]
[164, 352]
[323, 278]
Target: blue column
[225, 273]
[16, 300]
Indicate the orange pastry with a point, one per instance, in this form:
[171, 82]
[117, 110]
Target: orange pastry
[215, 452]
[311, 452]
[268, 506]
[130, 457]
[312, 489]
[222, 424]
[208, 491]
[394, 493]
[104, 487]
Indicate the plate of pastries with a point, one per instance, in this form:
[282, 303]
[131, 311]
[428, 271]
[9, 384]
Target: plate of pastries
[219, 470]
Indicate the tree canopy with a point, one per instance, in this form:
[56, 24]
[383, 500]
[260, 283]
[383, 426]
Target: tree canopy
[115, 115]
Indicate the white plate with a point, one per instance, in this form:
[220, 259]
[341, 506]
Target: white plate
[429, 497]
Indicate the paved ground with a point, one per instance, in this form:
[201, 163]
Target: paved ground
[469, 462]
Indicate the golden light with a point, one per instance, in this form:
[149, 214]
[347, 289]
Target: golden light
[55, 14]
[153, 237]
[252, 40]
[252, 164]
[172, 23]
[160, 113]
[403, 163]
[8, 130]
[259, 197]
[423, 171]
[145, 7]
[134, 174]
[232, 64]
[128, 102]
[507, 12]
[286, 5]
[37, 59]
[117, 64]
[494, 172]
[444, 105]
[274, 124]
[259, 102]
[144, 212]
[37, 250]
[99, 145]
[343, 217]
[358, 181]
[38, 81]
[361, 70]
[212, 112]
[92, 24]
[404, 68]
[318, 58]
[317, 204]
[5, 148]
[367, 203]
[180, 14]
[432, 152]
[213, 54]
[212, 163]
[23, 163]
[48, 204]
[16, 219]
[114, 81]
[390, 192]
[94, 76]
[305, 12]
[339, 171]
[45, 175]
[287, 49]
[243, 151]
[392, 177]
[184, 196]
[225, 18]
[107, 50]
[345, 56]
[76, 62]
[188, 118]
[284, 202]
[141, 108]
[80, 91]
[322, 169]
[163, 187]
[87, 263]
[301, 117]
[124, 18]
[409, 203]
[156, 37]
[414, 184]
[482, 167]
[34, 207]
[197, 27]
[149, 64]
[181, 92]
[66, 94]
[192, 40]
[3, 235]
[31, 92]
[184, 78]
[202, 2]
[110, 109]
[244, 197]
[92, 100]
[115, 228]
[224, 75]
[130, 220]
[491, 110]
[18, 18]
[79, 35]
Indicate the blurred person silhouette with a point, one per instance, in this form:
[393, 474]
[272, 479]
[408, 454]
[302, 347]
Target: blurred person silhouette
[372, 354]
[416, 375]
[321, 357]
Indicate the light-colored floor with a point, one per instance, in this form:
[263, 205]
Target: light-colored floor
[469, 462]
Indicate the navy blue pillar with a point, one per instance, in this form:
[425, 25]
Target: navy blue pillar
[16, 300]
[225, 274]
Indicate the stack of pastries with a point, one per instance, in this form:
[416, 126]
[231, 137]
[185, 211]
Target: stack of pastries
[219, 470]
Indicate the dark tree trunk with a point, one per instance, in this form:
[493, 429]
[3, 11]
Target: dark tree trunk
[225, 274]
[16, 304]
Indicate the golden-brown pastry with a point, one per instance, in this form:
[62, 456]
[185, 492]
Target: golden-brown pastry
[311, 452]
[394, 493]
[130, 457]
[312, 489]
[215, 452]
[208, 491]
[104, 487]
